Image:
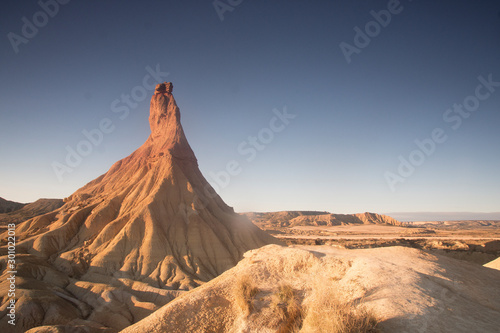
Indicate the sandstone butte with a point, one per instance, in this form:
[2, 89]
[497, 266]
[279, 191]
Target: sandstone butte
[129, 241]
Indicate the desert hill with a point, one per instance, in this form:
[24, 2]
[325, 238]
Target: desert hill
[312, 218]
[309, 288]
[7, 206]
[129, 241]
[39, 207]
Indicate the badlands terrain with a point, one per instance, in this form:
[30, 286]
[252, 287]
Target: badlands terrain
[472, 240]
[150, 247]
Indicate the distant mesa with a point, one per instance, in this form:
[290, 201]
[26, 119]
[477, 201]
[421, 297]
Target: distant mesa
[312, 218]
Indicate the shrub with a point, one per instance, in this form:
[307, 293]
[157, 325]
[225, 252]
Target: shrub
[287, 309]
[244, 293]
[327, 312]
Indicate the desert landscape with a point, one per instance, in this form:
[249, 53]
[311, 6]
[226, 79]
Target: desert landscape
[473, 240]
[232, 166]
[150, 247]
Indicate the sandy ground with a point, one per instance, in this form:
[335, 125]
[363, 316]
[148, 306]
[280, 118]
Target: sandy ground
[372, 236]
[377, 229]
[382, 232]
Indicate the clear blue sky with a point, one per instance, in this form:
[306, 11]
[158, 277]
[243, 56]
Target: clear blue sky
[353, 121]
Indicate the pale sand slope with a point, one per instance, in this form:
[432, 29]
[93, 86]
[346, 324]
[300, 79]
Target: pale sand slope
[407, 289]
[495, 264]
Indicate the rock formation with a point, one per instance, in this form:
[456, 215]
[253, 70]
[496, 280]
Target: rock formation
[135, 237]
[312, 218]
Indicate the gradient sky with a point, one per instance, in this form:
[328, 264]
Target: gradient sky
[352, 121]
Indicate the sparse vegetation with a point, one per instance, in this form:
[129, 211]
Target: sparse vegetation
[287, 309]
[244, 293]
[327, 312]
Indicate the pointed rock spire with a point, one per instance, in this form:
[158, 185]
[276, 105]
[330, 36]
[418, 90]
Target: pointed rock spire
[165, 122]
[151, 217]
